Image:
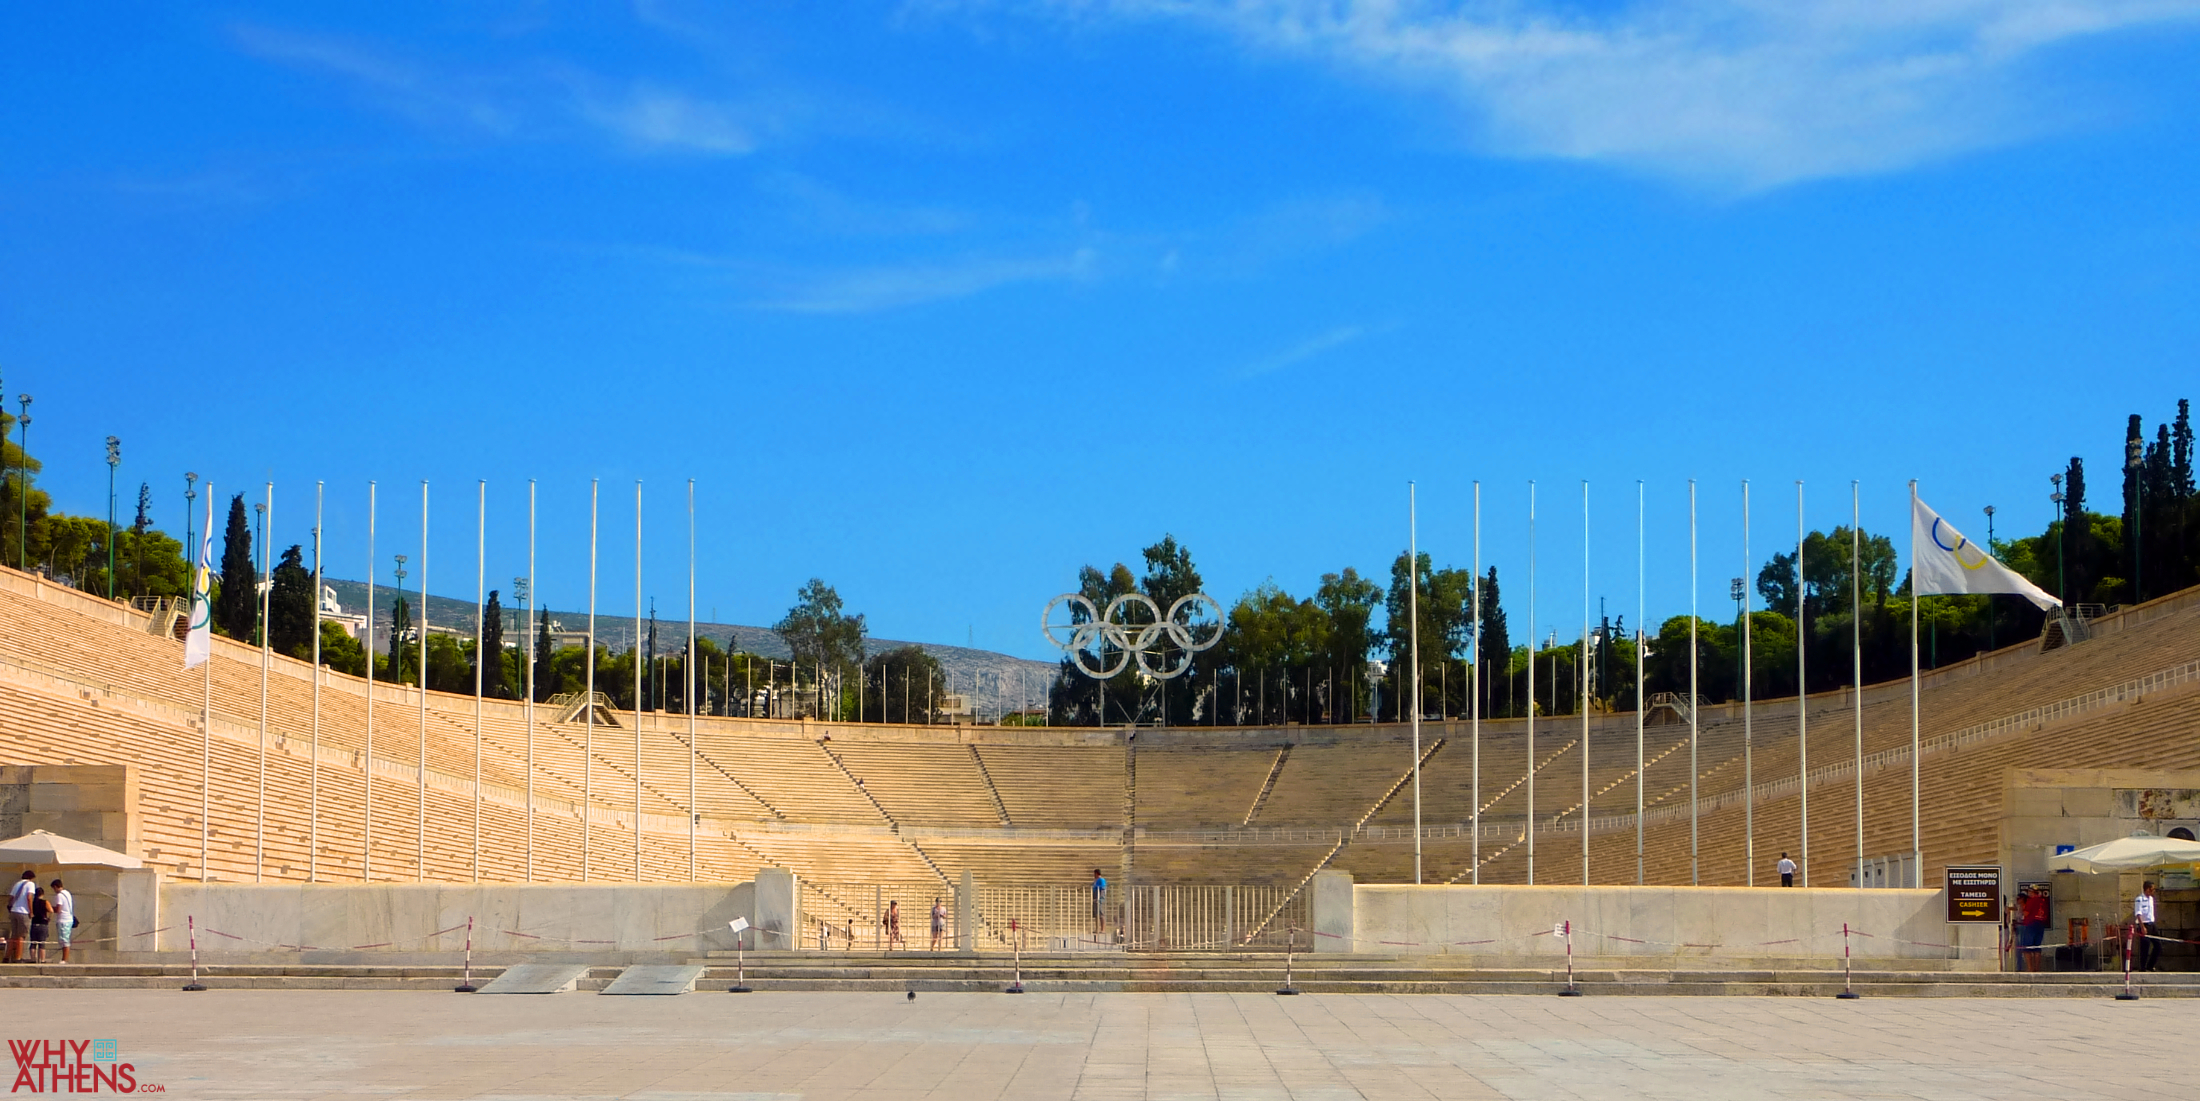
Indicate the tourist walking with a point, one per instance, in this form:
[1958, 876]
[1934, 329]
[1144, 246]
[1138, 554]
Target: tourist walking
[893, 924]
[2142, 921]
[19, 914]
[1099, 902]
[1787, 871]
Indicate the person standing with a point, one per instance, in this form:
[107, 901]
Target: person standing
[939, 923]
[1787, 871]
[893, 924]
[64, 917]
[1099, 902]
[2031, 925]
[19, 914]
[2142, 920]
[41, 915]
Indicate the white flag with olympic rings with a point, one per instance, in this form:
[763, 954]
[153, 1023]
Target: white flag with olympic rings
[1949, 564]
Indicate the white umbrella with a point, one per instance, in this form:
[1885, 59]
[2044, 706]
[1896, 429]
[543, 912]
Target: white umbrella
[40, 847]
[2128, 854]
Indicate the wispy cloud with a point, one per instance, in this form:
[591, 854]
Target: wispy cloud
[1305, 350]
[886, 287]
[526, 101]
[1744, 94]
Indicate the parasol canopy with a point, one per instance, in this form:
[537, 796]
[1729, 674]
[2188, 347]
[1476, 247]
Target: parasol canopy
[2128, 854]
[40, 847]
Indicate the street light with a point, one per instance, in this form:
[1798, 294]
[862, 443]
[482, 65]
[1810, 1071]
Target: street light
[2061, 533]
[190, 498]
[23, 503]
[1990, 550]
[114, 459]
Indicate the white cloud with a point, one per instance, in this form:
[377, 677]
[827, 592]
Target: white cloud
[862, 290]
[1305, 350]
[1734, 93]
[654, 118]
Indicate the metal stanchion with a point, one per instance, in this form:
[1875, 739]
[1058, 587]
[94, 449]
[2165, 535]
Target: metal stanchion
[1848, 969]
[466, 986]
[740, 957]
[1571, 991]
[1290, 942]
[1016, 945]
[2129, 995]
[192, 923]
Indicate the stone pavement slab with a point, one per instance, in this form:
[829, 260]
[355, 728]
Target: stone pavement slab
[252, 1044]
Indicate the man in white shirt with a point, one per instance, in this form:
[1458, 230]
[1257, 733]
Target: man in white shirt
[19, 914]
[1787, 871]
[64, 917]
[2142, 918]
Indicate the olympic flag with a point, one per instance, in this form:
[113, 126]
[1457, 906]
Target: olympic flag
[199, 644]
[1947, 563]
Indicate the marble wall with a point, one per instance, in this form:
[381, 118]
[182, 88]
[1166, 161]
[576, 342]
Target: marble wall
[399, 923]
[1704, 923]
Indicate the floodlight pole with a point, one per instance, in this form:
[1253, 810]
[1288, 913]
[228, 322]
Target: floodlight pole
[114, 459]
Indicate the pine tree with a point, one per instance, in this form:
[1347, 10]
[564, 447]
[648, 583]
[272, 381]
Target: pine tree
[491, 656]
[290, 606]
[237, 608]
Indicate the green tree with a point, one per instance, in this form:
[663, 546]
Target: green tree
[340, 651]
[237, 612]
[819, 633]
[1349, 601]
[290, 605]
[549, 678]
[403, 653]
[900, 682]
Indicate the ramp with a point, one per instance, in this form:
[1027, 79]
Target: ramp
[655, 979]
[537, 978]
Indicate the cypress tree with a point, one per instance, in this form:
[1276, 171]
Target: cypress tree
[237, 608]
[547, 683]
[491, 657]
[290, 606]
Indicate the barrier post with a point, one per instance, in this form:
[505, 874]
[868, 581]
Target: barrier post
[466, 985]
[2129, 941]
[740, 956]
[1016, 945]
[1848, 968]
[1290, 941]
[1571, 990]
[191, 922]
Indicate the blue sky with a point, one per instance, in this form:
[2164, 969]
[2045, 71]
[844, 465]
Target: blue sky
[938, 301]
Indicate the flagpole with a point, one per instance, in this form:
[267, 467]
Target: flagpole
[313, 817]
[1413, 614]
[687, 667]
[1583, 701]
[532, 599]
[1695, 873]
[420, 855]
[366, 800]
[481, 657]
[267, 590]
[1749, 744]
[1641, 667]
[1917, 838]
[588, 745]
[1531, 682]
[1802, 695]
[638, 680]
[1856, 661]
[1474, 705]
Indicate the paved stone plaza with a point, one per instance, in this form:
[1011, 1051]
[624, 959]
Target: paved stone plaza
[968, 1047]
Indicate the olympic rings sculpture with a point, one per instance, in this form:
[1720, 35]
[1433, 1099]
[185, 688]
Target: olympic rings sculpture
[1112, 630]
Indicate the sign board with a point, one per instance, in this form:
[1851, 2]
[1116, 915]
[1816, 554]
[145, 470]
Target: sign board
[1974, 893]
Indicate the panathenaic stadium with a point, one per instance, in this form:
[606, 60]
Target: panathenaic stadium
[1209, 837]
